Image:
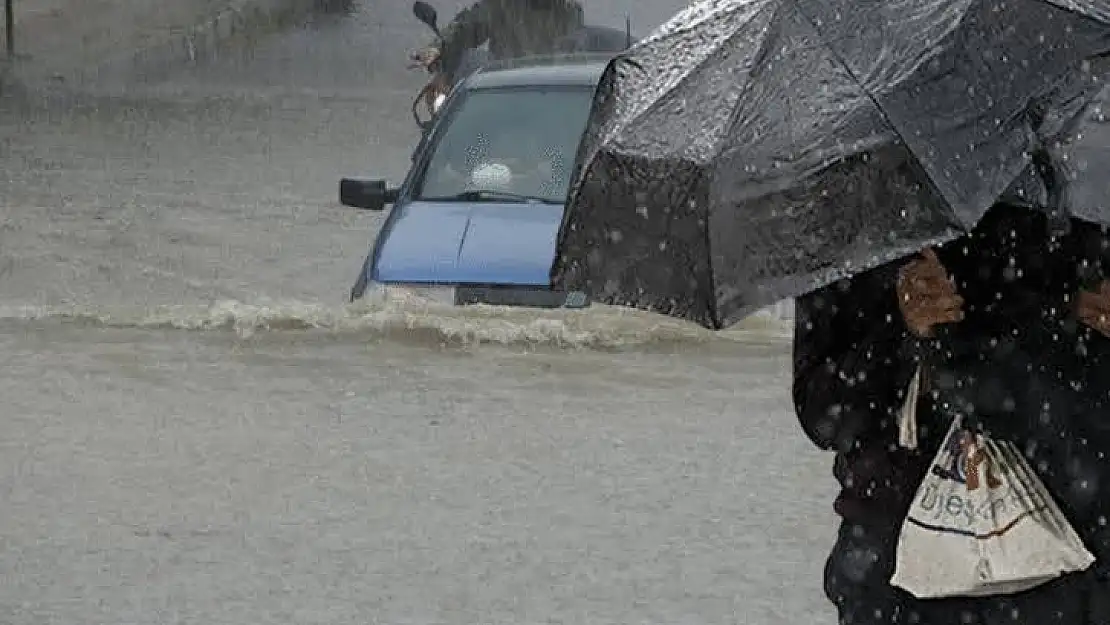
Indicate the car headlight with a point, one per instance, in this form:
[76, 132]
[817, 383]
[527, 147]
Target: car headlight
[428, 293]
[438, 101]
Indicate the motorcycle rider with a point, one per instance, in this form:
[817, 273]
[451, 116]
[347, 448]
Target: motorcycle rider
[513, 28]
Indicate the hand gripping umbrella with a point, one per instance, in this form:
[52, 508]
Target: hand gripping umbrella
[754, 150]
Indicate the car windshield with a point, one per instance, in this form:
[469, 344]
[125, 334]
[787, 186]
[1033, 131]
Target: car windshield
[508, 145]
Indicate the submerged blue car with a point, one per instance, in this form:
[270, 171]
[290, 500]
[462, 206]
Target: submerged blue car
[476, 218]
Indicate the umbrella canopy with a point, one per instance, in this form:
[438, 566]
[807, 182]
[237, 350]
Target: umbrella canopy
[753, 150]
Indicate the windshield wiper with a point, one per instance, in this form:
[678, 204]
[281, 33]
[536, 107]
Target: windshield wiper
[478, 195]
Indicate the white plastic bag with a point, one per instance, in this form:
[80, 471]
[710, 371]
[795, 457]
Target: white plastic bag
[981, 523]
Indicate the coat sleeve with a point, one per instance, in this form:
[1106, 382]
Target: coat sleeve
[853, 359]
[1093, 268]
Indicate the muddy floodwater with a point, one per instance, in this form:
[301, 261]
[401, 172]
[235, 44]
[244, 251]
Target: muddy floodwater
[197, 429]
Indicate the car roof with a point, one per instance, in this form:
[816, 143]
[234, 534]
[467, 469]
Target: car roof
[541, 71]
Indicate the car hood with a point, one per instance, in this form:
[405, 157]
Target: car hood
[469, 243]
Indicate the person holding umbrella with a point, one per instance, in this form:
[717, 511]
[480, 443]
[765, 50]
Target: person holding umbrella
[751, 151]
[1014, 318]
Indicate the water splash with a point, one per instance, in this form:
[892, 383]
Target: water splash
[406, 318]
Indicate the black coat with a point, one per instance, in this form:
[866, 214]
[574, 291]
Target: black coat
[1020, 362]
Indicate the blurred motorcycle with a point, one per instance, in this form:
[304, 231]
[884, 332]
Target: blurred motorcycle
[446, 72]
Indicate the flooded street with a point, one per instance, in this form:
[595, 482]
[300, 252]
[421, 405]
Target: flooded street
[199, 430]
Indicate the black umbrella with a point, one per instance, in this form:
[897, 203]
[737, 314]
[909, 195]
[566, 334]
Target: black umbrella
[753, 150]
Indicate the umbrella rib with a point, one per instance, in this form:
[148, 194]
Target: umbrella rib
[875, 101]
[714, 309]
[688, 76]
[1071, 7]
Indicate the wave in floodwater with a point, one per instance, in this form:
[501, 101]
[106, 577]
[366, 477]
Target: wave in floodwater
[399, 318]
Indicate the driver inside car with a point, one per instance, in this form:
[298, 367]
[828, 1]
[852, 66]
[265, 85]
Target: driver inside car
[528, 163]
[503, 152]
[500, 165]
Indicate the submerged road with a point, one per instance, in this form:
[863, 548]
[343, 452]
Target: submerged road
[198, 430]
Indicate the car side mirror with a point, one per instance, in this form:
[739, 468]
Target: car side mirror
[372, 195]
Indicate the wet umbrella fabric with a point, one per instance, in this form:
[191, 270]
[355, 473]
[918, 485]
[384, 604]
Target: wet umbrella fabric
[1078, 154]
[750, 151]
